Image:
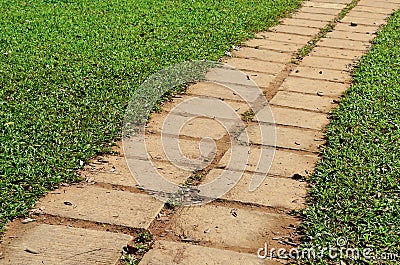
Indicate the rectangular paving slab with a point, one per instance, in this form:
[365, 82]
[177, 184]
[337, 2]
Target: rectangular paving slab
[284, 37]
[255, 65]
[327, 63]
[266, 55]
[231, 227]
[322, 74]
[53, 244]
[365, 37]
[171, 253]
[313, 87]
[304, 22]
[336, 53]
[304, 101]
[277, 192]
[102, 205]
[273, 45]
[344, 44]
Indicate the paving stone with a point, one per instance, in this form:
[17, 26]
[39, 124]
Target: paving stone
[289, 137]
[303, 101]
[327, 63]
[285, 37]
[111, 169]
[358, 29]
[263, 80]
[273, 45]
[304, 23]
[365, 37]
[64, 245]
[283, 193]
[371, 21]
[249, 230]
[336, 53]
[166, 252]
[313, 16]
[266, 55]
[333, 1]
[304, 31]
[255, 65]
[285, 163]
[318, 10]
[299, 118]
[315, 87]
[379, 4]
[374, 10]
[363, 14]
[323, 74]
[324, 5]
[214, 90]
[102, 205]
[344, 44]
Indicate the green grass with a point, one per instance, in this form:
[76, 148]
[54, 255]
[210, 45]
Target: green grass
[69, 67]
[356, 188]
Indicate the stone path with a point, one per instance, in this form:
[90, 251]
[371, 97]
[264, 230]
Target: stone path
[89, 223]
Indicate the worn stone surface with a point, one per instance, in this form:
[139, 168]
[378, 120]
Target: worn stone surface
[266, 55]
[327, 63]
[323, 74]
[273, 45]
[217, 226]
[285, 163]
[102, 205]
[363, 14]
[313, 16]
[308, 102]
[283, 193]
[314, 87]
[371, 21]
[299, 118]
[320, 10]
[304, 31]
[335, 53]
[166, 252]
[63, 245]
[324, 5]
[344, 44]
[289, 137]
[379, 4]
[255, 65]
[304, 23]
[357, 29]
[350, 36]
[374, 10]
[284, 37]
[333, 1]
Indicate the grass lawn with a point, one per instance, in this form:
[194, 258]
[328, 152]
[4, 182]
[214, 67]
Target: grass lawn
[69, 67]
[356, 187]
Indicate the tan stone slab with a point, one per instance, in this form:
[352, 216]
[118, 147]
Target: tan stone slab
[323, 74]
[284, 37]
[255, 65]
[304, 23]
[374, 10]
[371, 21]
[281, 193]
[304, 101]
[249, 230]
[261, 79]
[313, 16]
[324, 5]
[379, 4]
[289, 138]
[111, 169]
[273, 45]
[336, 53]
[266, 55]
[285, 163]
[303, 31]
[363, 14]
[358, 29]
[315, 87]
[333, 1]
[64, 245]
[102, 205]
[365, 37]
[299, 118]
[344, 44]
[327, 63]
[318, 10]
[166, 252]
[213, 90]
